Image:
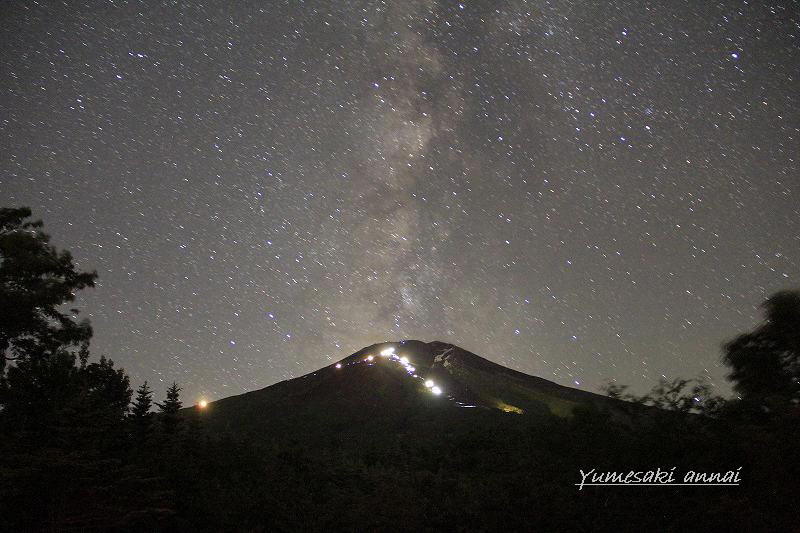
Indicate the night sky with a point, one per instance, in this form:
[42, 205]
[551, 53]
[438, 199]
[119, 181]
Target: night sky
[582, 193]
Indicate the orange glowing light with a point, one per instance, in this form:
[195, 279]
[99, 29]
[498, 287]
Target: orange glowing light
[202, 404]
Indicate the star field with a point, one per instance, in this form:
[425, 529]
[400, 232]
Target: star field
[582, 193]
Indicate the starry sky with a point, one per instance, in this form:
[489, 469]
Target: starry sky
[583, 191]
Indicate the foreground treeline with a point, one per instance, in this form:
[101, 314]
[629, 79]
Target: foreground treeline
[81, 451]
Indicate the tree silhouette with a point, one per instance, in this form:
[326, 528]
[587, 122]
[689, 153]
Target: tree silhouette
[172, 404]
[107, 388]
[61, 417]
[143, 402]
[169, 409]
[35, 280]
[765, 363]
[679, 394]
[141, 417]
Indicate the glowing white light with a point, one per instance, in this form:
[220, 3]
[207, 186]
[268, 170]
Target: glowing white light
[429, 383]
[410, 369]
[387, 352]
[436, 390]
[370, 357]
[202, 404]
[338, 365]
[404, 360]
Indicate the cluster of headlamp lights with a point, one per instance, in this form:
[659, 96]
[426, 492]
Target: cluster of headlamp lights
[411, 370]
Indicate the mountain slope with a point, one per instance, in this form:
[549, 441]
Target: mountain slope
[391, 386]
[364, 444]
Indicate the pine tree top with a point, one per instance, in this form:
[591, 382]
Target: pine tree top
[172, 404]
[143, 402]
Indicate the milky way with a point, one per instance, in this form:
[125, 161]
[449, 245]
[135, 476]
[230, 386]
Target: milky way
[580, 192]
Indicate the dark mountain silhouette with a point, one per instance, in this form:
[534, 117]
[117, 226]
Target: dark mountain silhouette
[400, 383]
[366, 443]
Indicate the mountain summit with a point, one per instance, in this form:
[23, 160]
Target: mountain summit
[470, 381]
